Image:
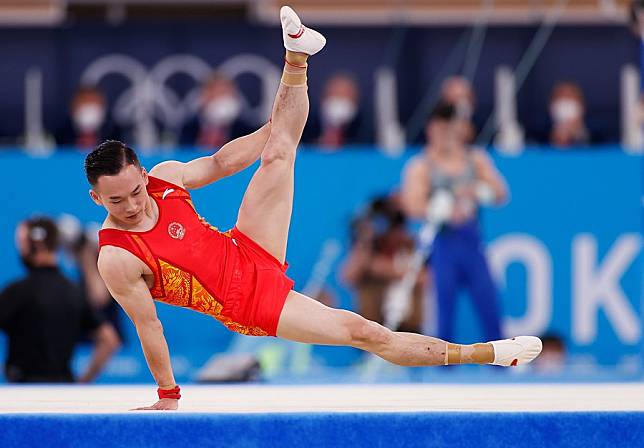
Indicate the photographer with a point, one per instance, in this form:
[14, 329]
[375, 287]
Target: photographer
[44, 314]
[378, 257]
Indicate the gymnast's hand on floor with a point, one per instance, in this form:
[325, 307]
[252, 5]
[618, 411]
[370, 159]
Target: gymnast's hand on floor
[164, 404]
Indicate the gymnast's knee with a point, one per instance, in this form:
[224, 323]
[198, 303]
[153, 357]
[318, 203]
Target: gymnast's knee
[280, 148]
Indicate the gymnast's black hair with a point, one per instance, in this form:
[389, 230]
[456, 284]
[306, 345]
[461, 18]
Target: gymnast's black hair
[443, 111]
[108, 159]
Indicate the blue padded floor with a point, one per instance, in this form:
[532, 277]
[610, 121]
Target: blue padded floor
[543, 415]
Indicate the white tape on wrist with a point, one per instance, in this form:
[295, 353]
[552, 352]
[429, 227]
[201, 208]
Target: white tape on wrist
[484, 193]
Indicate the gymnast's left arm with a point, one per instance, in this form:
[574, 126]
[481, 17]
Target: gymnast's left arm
[232, 158]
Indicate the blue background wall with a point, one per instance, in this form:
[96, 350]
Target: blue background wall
[561, 202]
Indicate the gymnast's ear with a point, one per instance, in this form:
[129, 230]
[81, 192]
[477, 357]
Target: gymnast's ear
[95, 197]
[146, 179]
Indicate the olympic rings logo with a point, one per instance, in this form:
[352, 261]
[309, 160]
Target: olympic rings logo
[149, 99]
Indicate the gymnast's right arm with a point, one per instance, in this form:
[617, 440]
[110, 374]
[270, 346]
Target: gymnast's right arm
[415, 188]
[123, 276]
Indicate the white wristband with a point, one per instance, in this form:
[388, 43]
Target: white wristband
[484, 193]
[440, 207]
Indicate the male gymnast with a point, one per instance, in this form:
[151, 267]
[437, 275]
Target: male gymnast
[154, 246]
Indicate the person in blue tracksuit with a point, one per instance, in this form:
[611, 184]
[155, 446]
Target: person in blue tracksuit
[446, 184]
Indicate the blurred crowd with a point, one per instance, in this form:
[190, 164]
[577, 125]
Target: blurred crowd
[337, 123]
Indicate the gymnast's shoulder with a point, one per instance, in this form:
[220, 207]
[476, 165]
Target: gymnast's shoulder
[169, 171]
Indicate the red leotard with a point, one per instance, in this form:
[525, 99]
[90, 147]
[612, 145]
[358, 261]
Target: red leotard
[225, 275]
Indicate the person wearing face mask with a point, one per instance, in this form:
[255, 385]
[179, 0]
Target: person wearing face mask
[88, 122]
[220, 108]
[338, 111]
[567, 109]
[44, 314]
[457, 91]
[446, 185]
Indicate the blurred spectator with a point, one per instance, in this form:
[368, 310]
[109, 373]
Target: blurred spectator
[381, 246]
[567, 110]
[636, 17]
[339, 109]
[88, 124]
[553, 356]
[82, 245]
[220, 107]
[457, 91]
[637, 27]
[45, 314]
[446, 184]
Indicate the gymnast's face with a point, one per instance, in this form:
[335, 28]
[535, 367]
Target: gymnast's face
[123, 195]
[444, 135]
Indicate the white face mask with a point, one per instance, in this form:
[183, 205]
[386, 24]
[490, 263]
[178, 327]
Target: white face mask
[338, 111]
[564, 110]
[89, 117]
[464, 110]
[222, 111]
